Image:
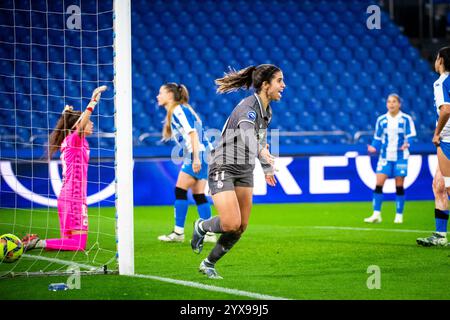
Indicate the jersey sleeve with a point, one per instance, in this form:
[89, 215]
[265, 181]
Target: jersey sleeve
[410, 129]
[246, 114]
[442, 93]
[185, 118]
[377, 136]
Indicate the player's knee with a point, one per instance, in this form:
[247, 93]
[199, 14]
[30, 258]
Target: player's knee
[231, 226]
[243, 227]
[200, 198]
[438, 186]
[378, 189]
[400, 190]
[180, 194]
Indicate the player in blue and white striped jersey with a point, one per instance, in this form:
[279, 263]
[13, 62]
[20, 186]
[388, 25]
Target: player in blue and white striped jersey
[392, 138]
[441, 139]
[183, 125]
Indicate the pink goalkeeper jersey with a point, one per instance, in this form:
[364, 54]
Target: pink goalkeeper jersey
[74, 158]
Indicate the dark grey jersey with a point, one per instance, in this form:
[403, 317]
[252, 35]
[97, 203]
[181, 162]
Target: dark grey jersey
[243, 136]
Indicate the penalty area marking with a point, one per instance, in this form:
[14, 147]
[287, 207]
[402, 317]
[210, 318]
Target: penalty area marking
[191, 284]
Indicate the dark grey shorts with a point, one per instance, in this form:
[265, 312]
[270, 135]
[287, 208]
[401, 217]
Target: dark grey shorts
[220, 180]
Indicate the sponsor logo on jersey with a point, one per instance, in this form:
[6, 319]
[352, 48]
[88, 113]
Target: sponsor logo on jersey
[251, 115]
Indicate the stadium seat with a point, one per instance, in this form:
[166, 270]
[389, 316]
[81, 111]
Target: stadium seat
[357, 91]
[321, 92]
[329, 79]
[226, 55]
[371, 66]
[308, 29]
[318, 41]
[327, 54]
[353, 66]
[234, 42]
[312, 79]
[284, 42]
[364, 79]
[361, 53]
[371, 92]
[294, 54]
[310, 54]
[351, 42]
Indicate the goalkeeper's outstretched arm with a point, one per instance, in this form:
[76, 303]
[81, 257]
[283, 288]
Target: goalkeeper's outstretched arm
[85, 117]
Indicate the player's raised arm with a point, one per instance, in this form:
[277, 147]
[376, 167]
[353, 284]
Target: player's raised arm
[85, 117]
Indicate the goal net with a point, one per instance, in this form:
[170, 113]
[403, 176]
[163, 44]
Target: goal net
[54, 53]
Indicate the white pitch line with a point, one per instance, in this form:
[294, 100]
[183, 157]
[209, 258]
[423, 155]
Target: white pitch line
[64, 262]
[365, 229]
[211, 288]
[169, 280]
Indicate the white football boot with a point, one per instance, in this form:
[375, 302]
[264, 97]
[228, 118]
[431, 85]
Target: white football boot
[374, 218]
[172, 237]
[398, 218]
[210, 237]
[436, 239]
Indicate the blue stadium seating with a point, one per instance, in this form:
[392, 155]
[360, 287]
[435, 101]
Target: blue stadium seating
[338, 74]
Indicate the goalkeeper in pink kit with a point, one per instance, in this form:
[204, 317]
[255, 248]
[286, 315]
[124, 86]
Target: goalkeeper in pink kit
[69, 136]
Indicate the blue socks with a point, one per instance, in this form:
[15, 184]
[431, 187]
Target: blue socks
[377, 198]
[400, 200]
[181, 208]
[441, 217]
[203, 206]
[182, 205]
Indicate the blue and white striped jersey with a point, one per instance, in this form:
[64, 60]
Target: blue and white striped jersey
[391, 133]
[182, 124]
[442, 96]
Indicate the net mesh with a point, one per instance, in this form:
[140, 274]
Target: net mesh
[54, 53]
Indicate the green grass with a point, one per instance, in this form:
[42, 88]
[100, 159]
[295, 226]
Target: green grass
[283, 253]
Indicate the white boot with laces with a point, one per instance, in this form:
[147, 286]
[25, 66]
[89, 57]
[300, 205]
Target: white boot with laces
[374, 218]
[172, 237]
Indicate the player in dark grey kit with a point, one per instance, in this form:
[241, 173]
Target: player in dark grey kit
[231, 167]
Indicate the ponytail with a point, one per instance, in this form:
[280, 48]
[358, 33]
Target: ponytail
[235, 80]
[181, 96]
[253, 76]
[63, 128]
[167, 129]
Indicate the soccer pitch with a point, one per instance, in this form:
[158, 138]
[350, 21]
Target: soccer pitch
[292, 251]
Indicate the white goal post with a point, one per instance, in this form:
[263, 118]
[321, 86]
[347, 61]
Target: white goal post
[124, 136]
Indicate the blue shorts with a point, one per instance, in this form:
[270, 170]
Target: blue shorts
[445, 147]
[393, 169]
[202, 174]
